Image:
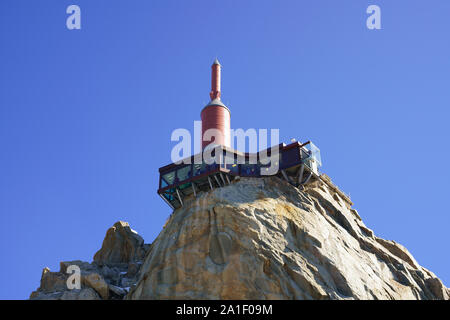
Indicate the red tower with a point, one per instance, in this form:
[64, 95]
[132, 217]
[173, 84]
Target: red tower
[215, 115]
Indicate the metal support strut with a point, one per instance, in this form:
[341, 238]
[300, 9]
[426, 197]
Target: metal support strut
[179, 196]
[300, 174]
[210, 183]
[217, 180]
[193, 189]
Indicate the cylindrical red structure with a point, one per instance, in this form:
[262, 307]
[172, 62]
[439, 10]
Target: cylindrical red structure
[215, 115]
[215, 81]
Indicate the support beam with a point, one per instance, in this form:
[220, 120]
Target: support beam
[179, 196]
[210, 183]
[217, 180]
[285, 176]
[307, 179]
[228, 179]
[223, 180]
[193, 189]
[167, 201]
[300, 174]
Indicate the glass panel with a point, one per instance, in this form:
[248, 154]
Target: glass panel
[169, 177]
[203, 168]
[314, 161]
[184, 186]
[163, 183]
[183, 173]
[168, 196]
[315, 153]
[199, 169]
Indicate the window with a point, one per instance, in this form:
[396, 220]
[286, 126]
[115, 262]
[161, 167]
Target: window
[199, 169]
[169, 178]
[169, 196]
[184, 173]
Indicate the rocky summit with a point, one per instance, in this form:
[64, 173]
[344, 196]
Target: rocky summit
[258, 238]
[114, 270]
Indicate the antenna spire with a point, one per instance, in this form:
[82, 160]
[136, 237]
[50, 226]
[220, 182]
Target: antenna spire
[215, 80]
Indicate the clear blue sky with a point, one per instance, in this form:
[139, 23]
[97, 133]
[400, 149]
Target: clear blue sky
[86, 115]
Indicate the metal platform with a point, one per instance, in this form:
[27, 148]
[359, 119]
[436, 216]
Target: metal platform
[297, 163]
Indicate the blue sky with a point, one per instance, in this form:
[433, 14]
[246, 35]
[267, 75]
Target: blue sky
[86, 115]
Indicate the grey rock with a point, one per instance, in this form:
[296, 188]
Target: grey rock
[120, 246]
[102, 277]
[118, 290]
[261, 238]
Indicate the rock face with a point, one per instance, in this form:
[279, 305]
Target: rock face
[265, 239]
[255, 239]
[121, 245]
[114, 270]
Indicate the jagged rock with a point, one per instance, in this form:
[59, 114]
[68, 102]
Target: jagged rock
[96, 281]
[121, 292]
[88, 294]
[399, 251]
[52, 281]
[265, 239]
[133, 268]
[121, 245]
[127, 282]
[85, 267]
[81, 294]
[117, 263]
[39, 295]
[70, 295]
[255, 239]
